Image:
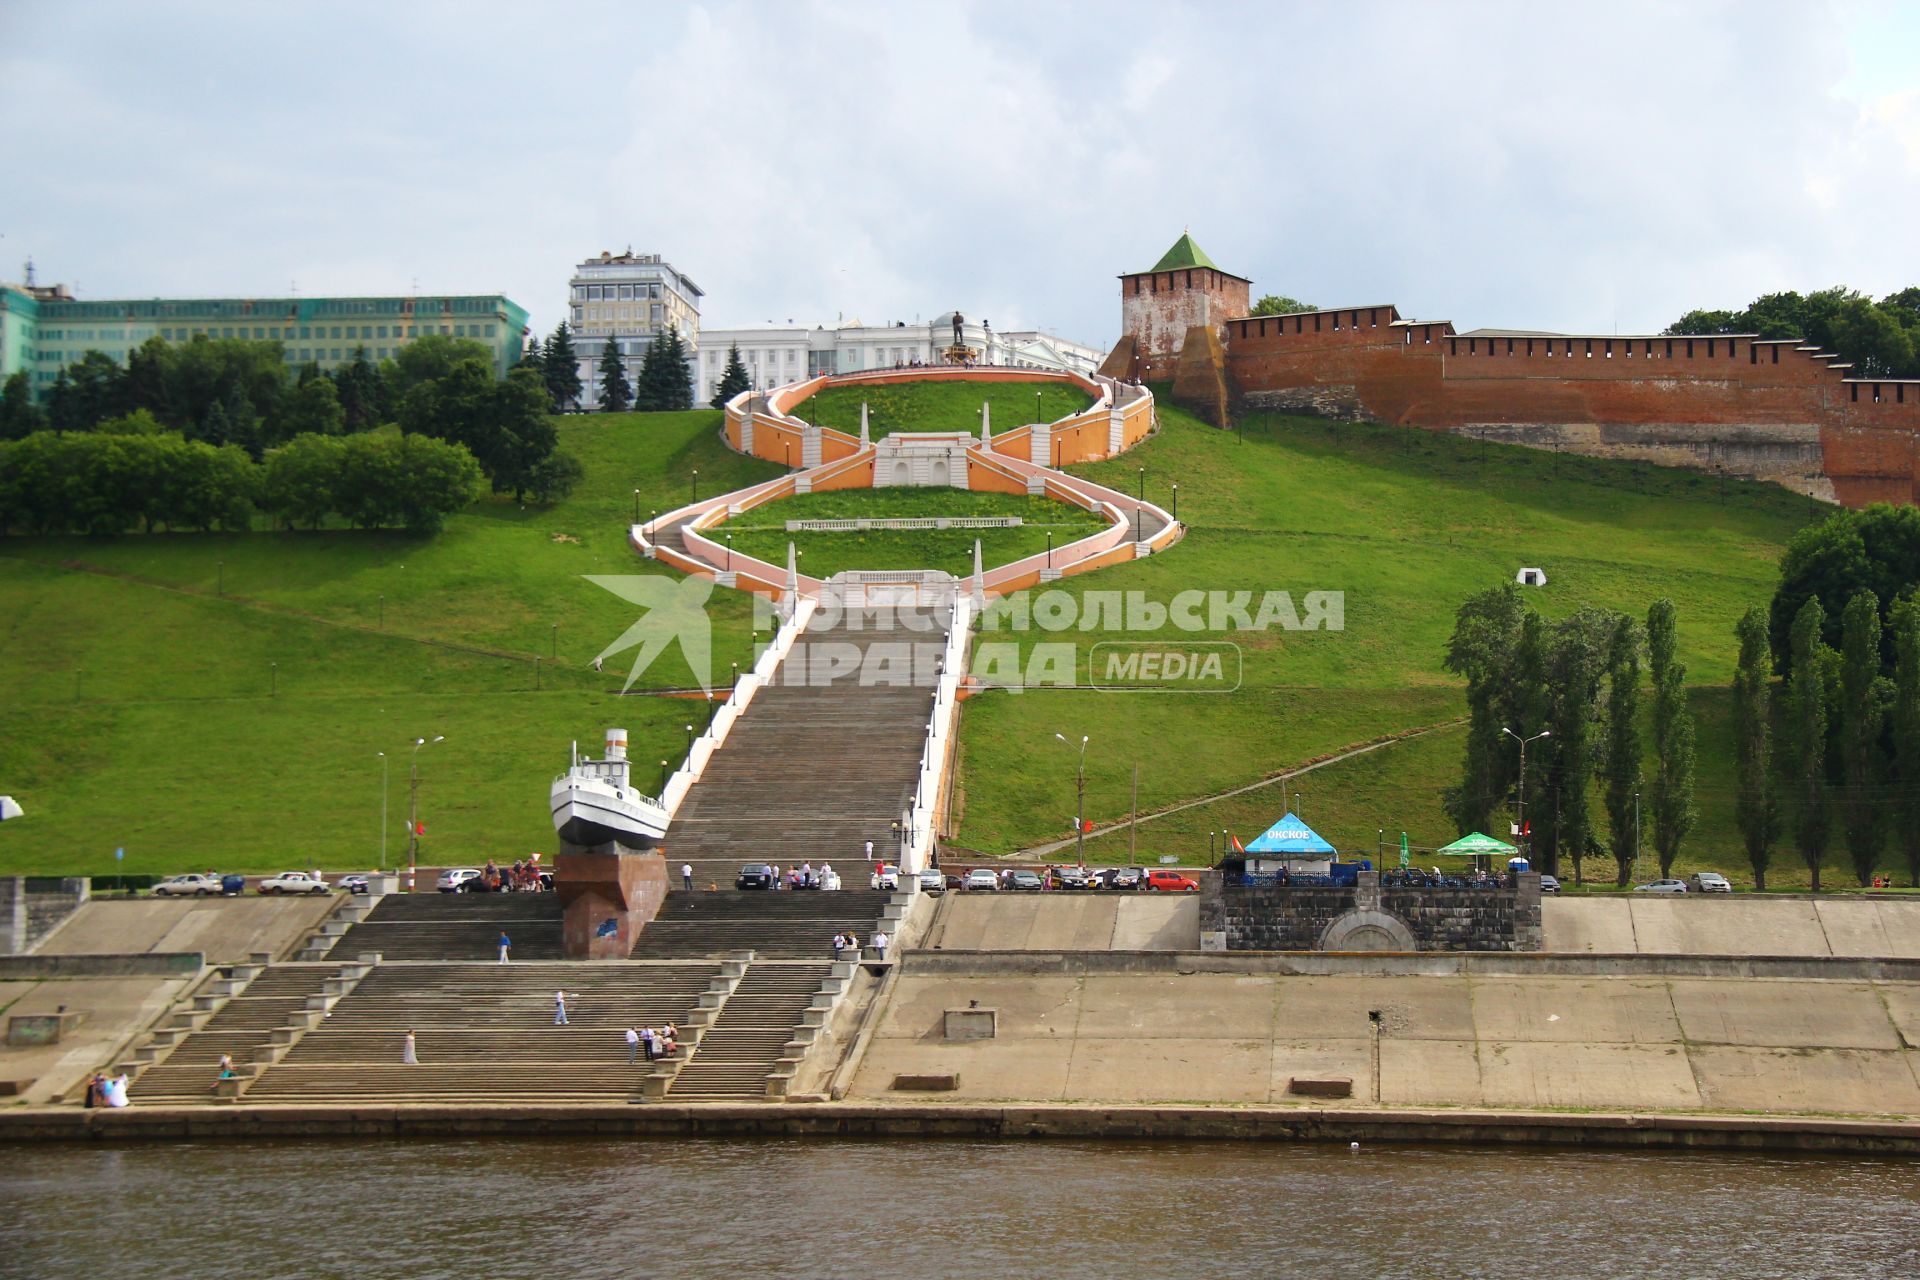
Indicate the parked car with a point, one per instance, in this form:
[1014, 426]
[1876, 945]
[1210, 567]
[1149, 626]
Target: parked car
[1025, 881]
[887, 877]
[195, 884]
[356, 883]
[1661, 886]
[982, 878]
[1708, 882]
[933, 880]
[454, 879]
[1126, 878]
[1549, 884]
[754, 875]
[294, 882]
[1170, 881]
[233, 886]
[1072, 878]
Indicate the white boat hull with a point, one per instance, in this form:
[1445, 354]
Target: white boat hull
[588, 812]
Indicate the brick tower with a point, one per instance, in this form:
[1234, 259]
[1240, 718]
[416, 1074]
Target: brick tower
[1182, 291]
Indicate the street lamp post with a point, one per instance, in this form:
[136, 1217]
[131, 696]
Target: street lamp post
[729, 553]
[1296, 804]
[1036, 408]
[636, 506]
[694, 485]
[1139, 511]
[413, 805]
[383, 809]
[1525, 843]
[1049, 548]
[1176, 504]
[1080, 802]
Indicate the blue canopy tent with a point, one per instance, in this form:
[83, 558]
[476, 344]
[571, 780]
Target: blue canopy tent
[1291, 837]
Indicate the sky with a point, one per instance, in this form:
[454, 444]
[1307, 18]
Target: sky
[1595, 168]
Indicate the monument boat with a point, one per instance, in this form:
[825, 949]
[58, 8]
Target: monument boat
[595, 801]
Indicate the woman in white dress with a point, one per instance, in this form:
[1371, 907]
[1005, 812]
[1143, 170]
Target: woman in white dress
[407, 1054]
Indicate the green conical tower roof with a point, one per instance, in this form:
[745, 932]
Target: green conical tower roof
[1185, 253]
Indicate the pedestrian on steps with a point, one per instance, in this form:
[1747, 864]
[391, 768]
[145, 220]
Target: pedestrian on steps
[686, 876]
[408, 1055]
[633, 1045]
[560, 1006]
[506, 945]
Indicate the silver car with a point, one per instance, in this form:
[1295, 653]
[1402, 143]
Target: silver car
[1661, 886]
[1708, 882]
[194, 884]
[933, 880]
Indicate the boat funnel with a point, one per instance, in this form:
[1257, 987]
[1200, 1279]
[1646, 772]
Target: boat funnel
[616, 744]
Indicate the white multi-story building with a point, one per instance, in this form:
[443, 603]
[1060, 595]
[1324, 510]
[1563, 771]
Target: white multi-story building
[629, 298]
[776, 354]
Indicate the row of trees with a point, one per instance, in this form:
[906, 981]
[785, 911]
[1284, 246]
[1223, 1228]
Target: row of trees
[102, 483]
[1850, 737]
[663, 382]
[1572, 688]
[233, 392]
[1881, 339]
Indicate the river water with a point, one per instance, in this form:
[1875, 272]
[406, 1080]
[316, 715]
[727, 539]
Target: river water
[473, 1210]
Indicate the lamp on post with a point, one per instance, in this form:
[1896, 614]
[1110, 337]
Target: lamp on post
[1049, 548]
[689, 744]
[1525, 843]
[1296, 804]
[413, 798]
[1176, 504]
[729, 553]
[664, 775]
[694, 485]
[1080, 802]
[636, 506]
[1036, 408]
[383, 809]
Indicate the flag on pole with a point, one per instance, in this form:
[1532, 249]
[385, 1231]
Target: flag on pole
[1237, 846]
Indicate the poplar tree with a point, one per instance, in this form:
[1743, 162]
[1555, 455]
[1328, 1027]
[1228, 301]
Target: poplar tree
[1672, 790]
[1863, 698]
[1754, 808]
[1577, 662]
[1905, 622]
[561, 368]
[1808, 698]
[616, 393]
[1623, 744]
[1486, 628]
[733, 379]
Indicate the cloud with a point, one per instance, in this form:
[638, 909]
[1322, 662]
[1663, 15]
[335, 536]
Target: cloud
[1569, 169]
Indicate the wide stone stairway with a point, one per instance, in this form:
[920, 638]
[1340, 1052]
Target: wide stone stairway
[456, 926]
[774, 926]
[817, 768]
[246, 1022]
[486, 1031]
[747, 1040]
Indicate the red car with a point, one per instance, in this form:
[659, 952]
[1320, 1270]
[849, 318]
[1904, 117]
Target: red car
[1172, 882]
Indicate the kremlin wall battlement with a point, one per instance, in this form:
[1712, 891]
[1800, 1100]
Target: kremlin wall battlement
[1739, 405]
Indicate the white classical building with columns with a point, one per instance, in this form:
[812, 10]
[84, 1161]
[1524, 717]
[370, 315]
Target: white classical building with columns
[778, 354]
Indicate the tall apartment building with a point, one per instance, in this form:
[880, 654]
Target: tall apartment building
[776, 354]
[629, 298]
[45, 329]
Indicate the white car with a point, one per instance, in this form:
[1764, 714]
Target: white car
[1708, 882]
[195, 884]
[454, 879]
[1661, 886]
[887, 877]
[982, 878]
[352, 884]
[294, 882]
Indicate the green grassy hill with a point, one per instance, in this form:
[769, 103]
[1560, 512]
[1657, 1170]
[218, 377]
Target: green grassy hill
[1407, 525]
[220, 700]
[940, 406]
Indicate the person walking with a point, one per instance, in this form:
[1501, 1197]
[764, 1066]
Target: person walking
[506, 945]
[560, 1006]
[686, 876]
[409, 1057]
[633, 1045]
[880, 944]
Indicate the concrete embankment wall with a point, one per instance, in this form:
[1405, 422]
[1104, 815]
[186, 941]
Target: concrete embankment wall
[1734, 925]
[225, 930]
[1193, 1029]
[1696, 924]
[838, 1120]
[1068, 922]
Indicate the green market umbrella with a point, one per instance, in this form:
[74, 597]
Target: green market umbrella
[1477, 845]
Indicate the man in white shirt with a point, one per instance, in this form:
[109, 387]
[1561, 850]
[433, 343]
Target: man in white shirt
[560, 1007]
[686, 876]
[880, 944]
[633, 1046]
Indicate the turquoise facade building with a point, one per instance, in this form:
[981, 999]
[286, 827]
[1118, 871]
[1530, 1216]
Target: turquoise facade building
[45, 329]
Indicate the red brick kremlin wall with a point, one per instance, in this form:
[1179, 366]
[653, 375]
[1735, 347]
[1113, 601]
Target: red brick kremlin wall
[1158, 307]
[1772, 409]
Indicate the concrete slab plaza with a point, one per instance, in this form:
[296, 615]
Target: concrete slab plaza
[1734, 925]
[1527, 1043]
[1068, 922]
